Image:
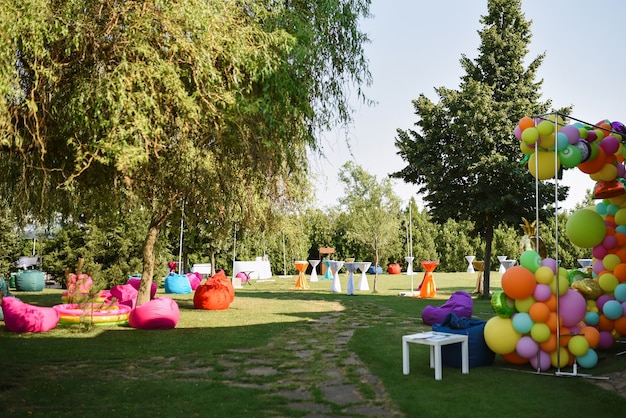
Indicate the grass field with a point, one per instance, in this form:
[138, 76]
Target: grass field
[198, 368]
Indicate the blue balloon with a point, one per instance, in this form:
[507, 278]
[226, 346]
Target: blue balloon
[522, 322]
[592, 318]
[588, 360]
[612, 309]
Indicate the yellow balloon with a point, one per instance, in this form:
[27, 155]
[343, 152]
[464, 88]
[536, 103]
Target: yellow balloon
[543, 166]
[608, 172]
[563, 284]
[618, 200]
[500, 335]
[547, 141]
[559, 358]
[526, 150]
[523, 305]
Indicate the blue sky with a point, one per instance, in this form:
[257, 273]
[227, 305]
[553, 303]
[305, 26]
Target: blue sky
[416, 46]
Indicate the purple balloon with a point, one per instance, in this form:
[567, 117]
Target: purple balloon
[606, 340]
[602, 299]
[572, 133]
[541, 362]
[610, 145]
[542, 292]
[572, 307]
[518, 132]
[550, 262]
[527, 347]
[619, 128]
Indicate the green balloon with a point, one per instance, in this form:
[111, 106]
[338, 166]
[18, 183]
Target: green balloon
[531, 260]
[585, 228]
[570, 156]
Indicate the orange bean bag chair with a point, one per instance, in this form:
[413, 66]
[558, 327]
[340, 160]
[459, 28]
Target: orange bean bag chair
[21, 317]
[215, 294]
[393, 269]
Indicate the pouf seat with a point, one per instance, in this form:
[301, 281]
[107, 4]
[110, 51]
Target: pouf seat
[136, 282]
[22, 317]
[30, 281]
[460, 303]
[177, 283]
[394, 268]
[126, 294]
[159, 313]
[479, 352]
[216, 294]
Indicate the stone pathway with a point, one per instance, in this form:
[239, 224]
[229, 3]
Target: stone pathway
[314, 372]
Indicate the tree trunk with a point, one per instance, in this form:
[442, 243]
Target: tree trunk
[487, 267]
[157, 221]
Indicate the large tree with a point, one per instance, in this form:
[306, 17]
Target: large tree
[208, 105]
[463, 151]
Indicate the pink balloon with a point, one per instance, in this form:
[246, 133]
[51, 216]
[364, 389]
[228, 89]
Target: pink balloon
[609, 242]
[602, 299]
[599, 251]
[598, 266]
[572, 133]
[518, 132]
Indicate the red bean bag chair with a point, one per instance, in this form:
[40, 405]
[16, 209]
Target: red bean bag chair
[159, 313]
[393, 269]
[21, 317]
[460, 304]
[194, 280]
[216, 294]
[126, 294]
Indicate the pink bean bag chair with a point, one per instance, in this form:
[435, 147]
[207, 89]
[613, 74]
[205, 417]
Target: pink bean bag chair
[159, 313]
[136, 282]
[21, 317]
[460, 304]
[126, 294]
[194, 280]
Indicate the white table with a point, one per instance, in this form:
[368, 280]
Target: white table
[435, 340]
[258, 269]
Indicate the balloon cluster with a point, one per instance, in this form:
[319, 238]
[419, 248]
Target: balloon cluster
[594, 149]
[549, 316]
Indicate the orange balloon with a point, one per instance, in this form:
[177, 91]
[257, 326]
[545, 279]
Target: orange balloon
[592, 335]
[620, 325]
[605, 127]
[606, 324]
[550, 344]
[565, 336]
[552, 321]
[514, 358]
[539, 312]
[619, 271]
[595, 165]
[518, 282]
[551, 303]
[621, 253]
[526, 122]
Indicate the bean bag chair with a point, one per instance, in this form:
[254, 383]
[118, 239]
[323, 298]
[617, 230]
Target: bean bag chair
[4, 291]
[372, 270]
[460, 303]
[479, 352]
[216, 294]
[177, 283]
[21, 317]
[194, 280]
[126, 294]
[393, 269]
[135, 282]
[159, 313]
[30, 281]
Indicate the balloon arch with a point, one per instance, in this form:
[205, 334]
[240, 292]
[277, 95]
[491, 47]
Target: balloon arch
[546, 315]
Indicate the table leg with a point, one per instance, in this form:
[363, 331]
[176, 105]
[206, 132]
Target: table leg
[438, 362]
[405, 356]
[465, 356]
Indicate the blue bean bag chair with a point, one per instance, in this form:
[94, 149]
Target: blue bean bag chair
[30, 281]
[177, 283]
[372, 270]
[460, 304]
[479, 352]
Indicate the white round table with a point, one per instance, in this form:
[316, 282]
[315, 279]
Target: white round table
[314, 264]
[364, 266]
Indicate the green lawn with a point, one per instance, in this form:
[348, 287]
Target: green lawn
[193, 370]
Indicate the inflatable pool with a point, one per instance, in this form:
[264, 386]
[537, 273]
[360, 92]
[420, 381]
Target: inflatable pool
[72, 313]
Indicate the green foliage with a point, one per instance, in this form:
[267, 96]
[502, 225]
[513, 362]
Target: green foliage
[10, 241]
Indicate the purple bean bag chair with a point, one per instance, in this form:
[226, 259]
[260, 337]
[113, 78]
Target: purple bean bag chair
[21, 317]
[159, 313]
[460, 304]
[126, 294]
[136, 282]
